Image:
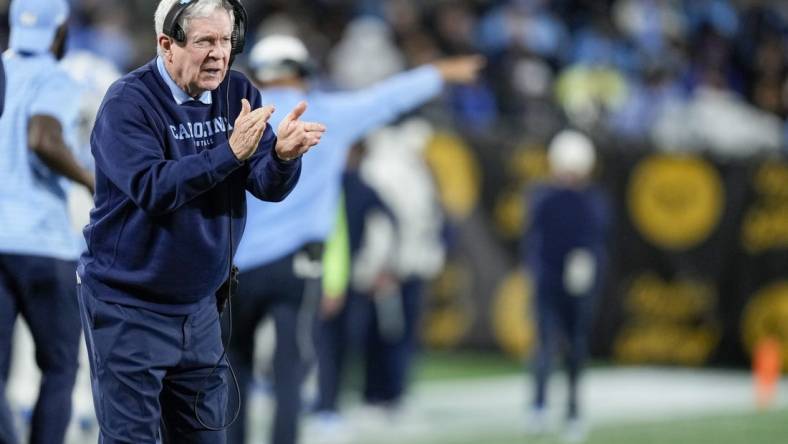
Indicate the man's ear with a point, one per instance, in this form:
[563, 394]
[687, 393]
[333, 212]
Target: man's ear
[165, 43]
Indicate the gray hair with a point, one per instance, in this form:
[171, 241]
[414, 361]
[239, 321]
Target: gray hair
[200, 9]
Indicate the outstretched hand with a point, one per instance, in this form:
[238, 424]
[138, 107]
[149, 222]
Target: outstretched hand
[296, 137]
[460, 69]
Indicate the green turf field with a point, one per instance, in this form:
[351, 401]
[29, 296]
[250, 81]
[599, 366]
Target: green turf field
[442, 365]
[751, 428]
[744, 426]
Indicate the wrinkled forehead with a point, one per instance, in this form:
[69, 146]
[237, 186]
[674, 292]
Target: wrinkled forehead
[217, 22]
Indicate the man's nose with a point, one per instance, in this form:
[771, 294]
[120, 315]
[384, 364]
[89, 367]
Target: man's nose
[217, 52]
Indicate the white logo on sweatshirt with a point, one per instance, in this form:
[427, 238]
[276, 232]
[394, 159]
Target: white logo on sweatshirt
[200, 131]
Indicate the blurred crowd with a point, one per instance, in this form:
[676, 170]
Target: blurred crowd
[706, 76]
[675, 74]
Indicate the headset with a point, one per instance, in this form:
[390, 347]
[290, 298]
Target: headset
[174, 30]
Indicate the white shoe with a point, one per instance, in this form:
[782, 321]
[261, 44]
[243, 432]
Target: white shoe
[575, 431]
[536, 423]
[328, 428]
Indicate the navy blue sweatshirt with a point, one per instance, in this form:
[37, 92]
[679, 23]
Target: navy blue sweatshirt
[562, 219]
[166, 182]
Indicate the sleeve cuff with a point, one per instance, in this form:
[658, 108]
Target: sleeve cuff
[283, 166]
[223, 161]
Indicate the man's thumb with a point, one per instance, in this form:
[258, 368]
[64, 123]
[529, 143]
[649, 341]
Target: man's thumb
[246, 107]
[297, 111]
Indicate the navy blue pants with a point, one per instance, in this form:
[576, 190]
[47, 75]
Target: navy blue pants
[42, 291]
[563, 322]
[389, 359]
[147, 369]
[337, 338]
[387, 356]
[291, 299]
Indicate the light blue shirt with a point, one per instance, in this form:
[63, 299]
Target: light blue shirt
[274, 230]
[33, 209]
[179, 94]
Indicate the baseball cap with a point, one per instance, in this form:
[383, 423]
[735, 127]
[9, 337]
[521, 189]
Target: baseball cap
[278, 56]
[34, 23]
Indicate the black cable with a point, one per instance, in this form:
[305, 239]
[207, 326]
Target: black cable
[230, 278]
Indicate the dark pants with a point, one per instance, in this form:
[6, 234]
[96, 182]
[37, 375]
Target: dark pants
[147, 369]
[42, 291]
[561, 320]
[337, 338]
[389, 358]
[386, 330]
[291, 299]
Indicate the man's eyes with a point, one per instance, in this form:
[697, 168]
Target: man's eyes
[204, 43]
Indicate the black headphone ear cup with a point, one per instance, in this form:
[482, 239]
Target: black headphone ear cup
[179, 36]
[234, 39]
[171, 26]
[239, 27]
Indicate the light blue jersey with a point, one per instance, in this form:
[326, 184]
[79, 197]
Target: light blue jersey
[33, 210]
[274, 230]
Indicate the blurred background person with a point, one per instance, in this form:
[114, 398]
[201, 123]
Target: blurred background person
[38, 248]
[565, 247]
[95, 75]
[280, 257]
[396, 169]
[363, 308]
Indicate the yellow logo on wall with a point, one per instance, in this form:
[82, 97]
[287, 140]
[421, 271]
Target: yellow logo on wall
[668, 321]
[528, 167]
[449, 313]
[765, 224]
[766, 316]
[512, 320]
[509, 213]
[675, 202]
[456, 172]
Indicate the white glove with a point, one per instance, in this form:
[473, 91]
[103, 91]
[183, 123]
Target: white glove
[579, 271]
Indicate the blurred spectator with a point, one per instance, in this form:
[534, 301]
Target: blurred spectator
[649, 23]
[646, 100]
[603, 54]
[719, 14]
[365, 39]
[718, 120]
[102, 29]
[524, 23]
[589, 93]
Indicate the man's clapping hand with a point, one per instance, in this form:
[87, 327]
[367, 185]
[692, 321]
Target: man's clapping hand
[249, 128]
[296, 137]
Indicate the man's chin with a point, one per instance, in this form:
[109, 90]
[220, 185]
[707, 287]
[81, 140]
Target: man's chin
[210, 85]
